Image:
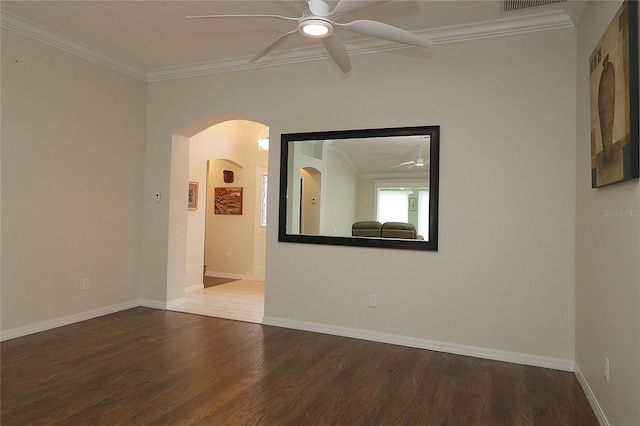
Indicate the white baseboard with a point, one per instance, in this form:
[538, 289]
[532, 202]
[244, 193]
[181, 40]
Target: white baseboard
[191, 288]
[70, 319]
[155, 304]
[83, 316]
[595, 405]
[173, 303]
[478, 352]
[453, 348]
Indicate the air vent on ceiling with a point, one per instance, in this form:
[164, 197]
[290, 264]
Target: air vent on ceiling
[511, 5]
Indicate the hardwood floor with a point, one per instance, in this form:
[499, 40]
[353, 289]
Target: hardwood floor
[145, 366]
[240, 300]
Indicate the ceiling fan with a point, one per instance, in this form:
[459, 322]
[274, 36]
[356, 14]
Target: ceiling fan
[319, 23]
[418, 162]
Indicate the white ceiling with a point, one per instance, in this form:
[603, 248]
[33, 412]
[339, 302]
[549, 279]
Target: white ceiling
[381, 157]
[153, 39]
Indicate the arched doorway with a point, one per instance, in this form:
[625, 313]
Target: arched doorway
[310, 199]
[226, 243]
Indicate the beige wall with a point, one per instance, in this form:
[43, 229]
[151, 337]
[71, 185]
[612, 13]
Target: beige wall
[607, 258]
[72, 169]
[504, 275]
[515, 211]
[311, 189]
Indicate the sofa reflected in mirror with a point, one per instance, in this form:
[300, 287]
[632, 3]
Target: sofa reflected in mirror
[366, 228]
[372, 228]
[373, 187]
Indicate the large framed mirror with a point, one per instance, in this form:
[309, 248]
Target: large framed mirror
[371, 187]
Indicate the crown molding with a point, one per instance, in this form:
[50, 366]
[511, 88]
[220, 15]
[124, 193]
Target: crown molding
[29, 29]
[552, 20]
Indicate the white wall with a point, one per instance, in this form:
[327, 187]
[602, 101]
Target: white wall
[365, 200]
[178, 235]
[504, 275]
[607, 258]
[72, 169]
[340, 195]
[196, 218]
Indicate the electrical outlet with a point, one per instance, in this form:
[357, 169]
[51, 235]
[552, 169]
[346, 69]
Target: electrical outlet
[373, 300]
[606, 369]
[228, 256]
[85, 284]
[157, 197]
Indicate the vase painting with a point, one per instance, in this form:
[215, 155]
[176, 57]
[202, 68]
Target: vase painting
[614, 100]
[607, 107]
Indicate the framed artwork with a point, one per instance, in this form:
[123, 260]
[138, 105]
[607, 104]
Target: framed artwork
[613, 68]
[193, 196]
[228, 200]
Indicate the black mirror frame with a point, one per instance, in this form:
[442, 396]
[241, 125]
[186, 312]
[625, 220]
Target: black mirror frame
[434, 158]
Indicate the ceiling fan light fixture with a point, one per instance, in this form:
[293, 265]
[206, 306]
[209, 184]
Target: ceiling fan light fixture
[315, 28]
[318, 23]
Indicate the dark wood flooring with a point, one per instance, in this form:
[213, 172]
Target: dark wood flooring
[146, 366]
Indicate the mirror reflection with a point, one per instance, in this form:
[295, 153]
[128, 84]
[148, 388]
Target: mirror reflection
[375, 187]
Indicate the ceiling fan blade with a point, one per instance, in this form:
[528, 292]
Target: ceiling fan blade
[338, 52]
[348, 6]
[406, 163]
[272, 46]
[318, 7]
[288, 18]
[386, 32]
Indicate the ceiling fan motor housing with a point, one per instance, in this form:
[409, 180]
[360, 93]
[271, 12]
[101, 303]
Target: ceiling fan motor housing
[315, 27]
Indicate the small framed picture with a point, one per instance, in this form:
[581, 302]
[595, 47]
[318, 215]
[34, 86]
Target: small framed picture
[193, 196]
[412, 204]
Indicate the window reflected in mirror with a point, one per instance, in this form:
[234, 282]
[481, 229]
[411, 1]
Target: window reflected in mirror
[404, 204]
[374, 187]
[263, 200]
